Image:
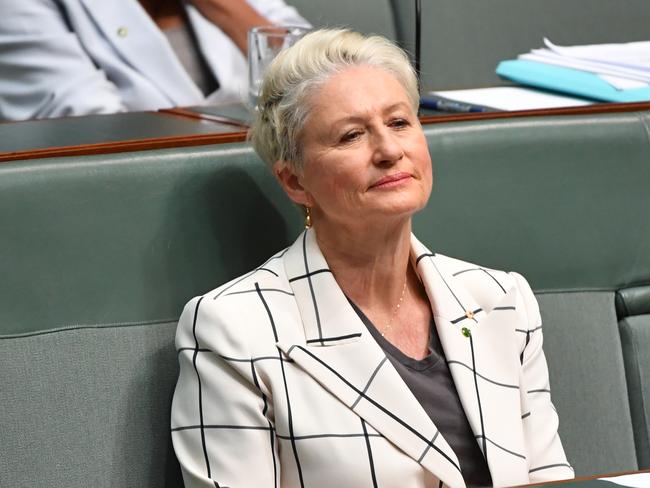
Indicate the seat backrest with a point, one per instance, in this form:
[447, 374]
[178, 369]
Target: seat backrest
[101, 252]
[131, 237]
[88, 406]
[464, 40]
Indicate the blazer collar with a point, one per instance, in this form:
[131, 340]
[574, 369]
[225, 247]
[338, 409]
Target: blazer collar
[326, 314]
[329, 319]
[340, 354]
[487, 383]
[449, 299]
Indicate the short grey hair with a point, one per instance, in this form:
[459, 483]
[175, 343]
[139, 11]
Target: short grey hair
[283, 105]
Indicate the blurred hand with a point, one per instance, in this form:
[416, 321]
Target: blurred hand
[233, 17]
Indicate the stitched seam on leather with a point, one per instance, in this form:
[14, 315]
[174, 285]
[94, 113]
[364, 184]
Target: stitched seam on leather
[115, 325]
[643, 395]
[637, 374]
[550, 291]
[625, 286]
[644, 122]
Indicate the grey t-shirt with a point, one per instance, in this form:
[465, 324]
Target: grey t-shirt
[431, 383]
[183, 42]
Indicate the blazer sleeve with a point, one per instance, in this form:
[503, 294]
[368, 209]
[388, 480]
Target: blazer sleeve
[547, 461]
[222, 430]
[45, 70]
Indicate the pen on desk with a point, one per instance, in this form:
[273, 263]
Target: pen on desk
[445, 105]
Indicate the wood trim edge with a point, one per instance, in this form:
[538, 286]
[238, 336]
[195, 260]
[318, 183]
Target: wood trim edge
[239, 135]
[125, 146]
[601, 108]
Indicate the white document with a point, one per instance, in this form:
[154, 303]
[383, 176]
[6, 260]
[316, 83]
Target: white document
[632, 54]
[624, 66]
[511, 98]
[623, 83]
[637, 480]
[549, 57]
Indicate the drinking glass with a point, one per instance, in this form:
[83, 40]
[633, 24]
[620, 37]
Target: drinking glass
[264, 44]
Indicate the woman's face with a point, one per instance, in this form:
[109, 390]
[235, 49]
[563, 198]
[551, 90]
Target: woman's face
[365, 156]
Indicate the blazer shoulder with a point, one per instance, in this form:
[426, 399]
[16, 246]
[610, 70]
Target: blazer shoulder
[459, 267]
[270, 273]
[229, 313]
[486, 285]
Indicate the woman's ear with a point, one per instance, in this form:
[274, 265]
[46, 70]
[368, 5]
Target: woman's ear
[290, 181]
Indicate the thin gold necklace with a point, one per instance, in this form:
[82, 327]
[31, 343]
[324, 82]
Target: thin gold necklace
[389, 325]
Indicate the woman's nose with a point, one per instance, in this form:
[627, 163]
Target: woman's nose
[387, 149]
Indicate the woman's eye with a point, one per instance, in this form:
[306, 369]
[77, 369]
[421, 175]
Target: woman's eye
[351, 136]
[399, 123]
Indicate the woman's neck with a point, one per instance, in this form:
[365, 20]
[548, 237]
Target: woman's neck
[370, 264]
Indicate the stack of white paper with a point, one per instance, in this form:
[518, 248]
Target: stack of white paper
[624, 66]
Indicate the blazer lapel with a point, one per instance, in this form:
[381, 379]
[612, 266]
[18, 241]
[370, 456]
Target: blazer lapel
[145, 48]
[481, 350]
[344, 358]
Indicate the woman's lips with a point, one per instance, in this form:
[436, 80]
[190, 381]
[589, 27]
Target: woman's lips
[391, 180]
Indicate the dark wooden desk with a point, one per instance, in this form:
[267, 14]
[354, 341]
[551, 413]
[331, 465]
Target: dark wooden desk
[137, 131]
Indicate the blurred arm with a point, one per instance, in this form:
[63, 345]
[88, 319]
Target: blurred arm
[237, 17]
[221, 426]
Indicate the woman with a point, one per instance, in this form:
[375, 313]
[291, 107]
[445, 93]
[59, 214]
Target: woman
[79, 57]
[356, 357]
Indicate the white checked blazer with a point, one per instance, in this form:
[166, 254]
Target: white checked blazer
[281, 384]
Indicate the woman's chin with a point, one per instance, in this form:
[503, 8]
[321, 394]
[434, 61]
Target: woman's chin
[386, 213]
[400, 205]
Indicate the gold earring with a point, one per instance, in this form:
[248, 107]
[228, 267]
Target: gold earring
[307, 217]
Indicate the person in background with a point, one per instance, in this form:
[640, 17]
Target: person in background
[356, 357]
[78, 57]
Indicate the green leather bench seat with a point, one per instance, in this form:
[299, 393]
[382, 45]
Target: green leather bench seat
[131, 237]
[88, 407]
[99, 253]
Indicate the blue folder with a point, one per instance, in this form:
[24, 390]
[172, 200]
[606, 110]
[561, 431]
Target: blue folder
[567, 80]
